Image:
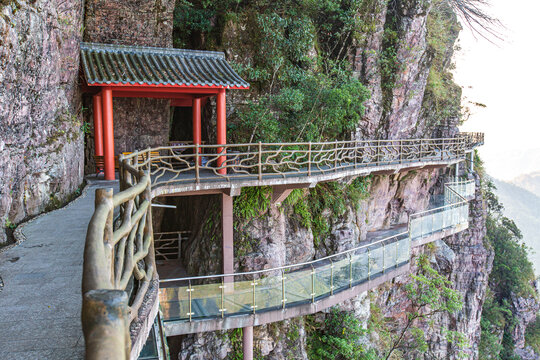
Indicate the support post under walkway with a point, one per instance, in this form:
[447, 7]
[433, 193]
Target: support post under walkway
[227, 229]
[247, 342]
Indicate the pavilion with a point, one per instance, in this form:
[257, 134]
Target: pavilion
[186, 77]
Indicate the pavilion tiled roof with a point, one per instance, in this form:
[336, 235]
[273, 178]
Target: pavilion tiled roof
[105, 64]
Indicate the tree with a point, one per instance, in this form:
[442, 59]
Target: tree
[429, 294]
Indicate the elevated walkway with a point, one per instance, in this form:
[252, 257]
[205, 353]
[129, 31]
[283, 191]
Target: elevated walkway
[228, 301]
[120, 268]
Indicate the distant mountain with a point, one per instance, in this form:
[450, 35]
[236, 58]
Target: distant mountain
[529, 182]
[523, 206]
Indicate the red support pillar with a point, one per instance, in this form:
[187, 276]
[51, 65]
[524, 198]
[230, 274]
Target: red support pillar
[227, 228]
[98, 126]
[221, 127]
[108, 132]
[196, 107]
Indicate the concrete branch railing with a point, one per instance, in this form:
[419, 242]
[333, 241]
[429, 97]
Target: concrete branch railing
[219, 296]
[119, 266]
[258, 161]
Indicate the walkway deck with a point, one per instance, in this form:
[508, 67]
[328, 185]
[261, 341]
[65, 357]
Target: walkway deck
[40, 303]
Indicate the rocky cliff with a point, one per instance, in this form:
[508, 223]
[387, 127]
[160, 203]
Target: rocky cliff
[41, 137]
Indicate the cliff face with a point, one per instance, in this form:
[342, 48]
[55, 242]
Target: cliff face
[138, 123]
[41, 137]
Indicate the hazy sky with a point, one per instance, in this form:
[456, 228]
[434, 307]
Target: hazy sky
[505, 76]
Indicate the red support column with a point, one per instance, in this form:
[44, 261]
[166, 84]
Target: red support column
[196, 107]
[227, 229]
[98, 126]
[221, 127]
[108, 132]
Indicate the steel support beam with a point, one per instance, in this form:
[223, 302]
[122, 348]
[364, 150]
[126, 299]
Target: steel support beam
[247, 342]
[281, 192]
[98, 125]
[108, 132]
[457, 172]
[472, 161]
[221, 127]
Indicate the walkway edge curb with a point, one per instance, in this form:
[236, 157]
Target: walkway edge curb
[18, 233]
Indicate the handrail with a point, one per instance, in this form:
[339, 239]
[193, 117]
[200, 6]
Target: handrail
[119, 263]
[222, 295]
[119, 253]
[287, 267]
[187, 164]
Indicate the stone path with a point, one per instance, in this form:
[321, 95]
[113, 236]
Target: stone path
[40, 302]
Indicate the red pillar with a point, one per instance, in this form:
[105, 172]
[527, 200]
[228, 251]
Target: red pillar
[98, 126]
[196, 107]
[221, 127]
[108, 132]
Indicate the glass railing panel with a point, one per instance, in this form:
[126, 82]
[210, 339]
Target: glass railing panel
[438, 221]
[298, 286]
[238, 297]
[404, 248]
[342, 272]
[322, 280]
[206, 300]
[268, 292]
[390, 255]
[376, 261]
[174, 303]
[360, 266]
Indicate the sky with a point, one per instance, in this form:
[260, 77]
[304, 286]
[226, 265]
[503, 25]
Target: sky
[505, 76]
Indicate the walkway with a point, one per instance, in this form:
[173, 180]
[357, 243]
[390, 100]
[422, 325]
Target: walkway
[40, 303]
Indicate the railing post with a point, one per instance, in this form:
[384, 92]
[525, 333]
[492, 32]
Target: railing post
[331, 278]
[355, 154]
[369, 264]
[260, 161]
[401, 151]
[197, 160]
[312, 284]
[335, 155]
[309, 159]
[383, 258]
[350, 271]
[222, 287]
[105, 323]
[397, 252]
[283, 300]
[378, 152]
[254, 306]
[189, 290]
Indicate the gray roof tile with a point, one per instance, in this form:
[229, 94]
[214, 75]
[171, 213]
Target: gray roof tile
[120, 64]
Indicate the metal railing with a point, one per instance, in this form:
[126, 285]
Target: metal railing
[168, 244]
[258, 161]
[455, 211]
[119, 265]
[218, 296]
[119, 257]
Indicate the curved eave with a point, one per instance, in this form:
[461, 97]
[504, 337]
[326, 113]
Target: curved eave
[169, 86]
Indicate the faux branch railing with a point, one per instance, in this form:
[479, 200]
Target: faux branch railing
[119, 265]
[219, 296]
[258, 161]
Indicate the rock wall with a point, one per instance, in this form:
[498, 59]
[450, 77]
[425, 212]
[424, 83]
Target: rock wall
[138, 123]
[41, 141]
